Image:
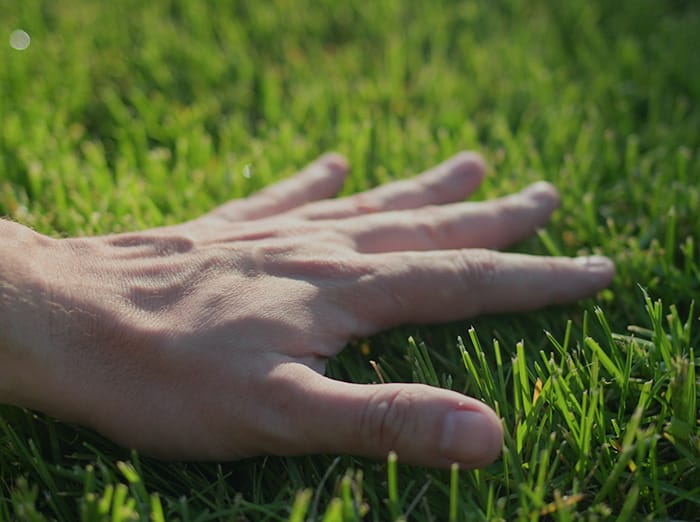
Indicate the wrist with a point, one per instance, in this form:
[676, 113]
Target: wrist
[23, 305]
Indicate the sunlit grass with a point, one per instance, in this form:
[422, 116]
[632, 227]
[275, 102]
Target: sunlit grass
[126, 115]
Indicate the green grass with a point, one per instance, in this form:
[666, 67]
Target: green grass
[126, 115]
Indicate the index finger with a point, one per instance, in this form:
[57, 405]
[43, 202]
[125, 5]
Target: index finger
[432, 287]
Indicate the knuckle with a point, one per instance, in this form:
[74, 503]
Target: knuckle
[303, 234]
[365, 203]
[386, 419]
[508, 210]
[433, 189]
[478, 266]
[322, 260]
[431, 227]
[479, 271]
[269, 196]
[333, 239]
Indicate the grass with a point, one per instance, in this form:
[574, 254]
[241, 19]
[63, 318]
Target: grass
[127, 115]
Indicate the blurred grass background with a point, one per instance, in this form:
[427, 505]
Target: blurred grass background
[125, 115]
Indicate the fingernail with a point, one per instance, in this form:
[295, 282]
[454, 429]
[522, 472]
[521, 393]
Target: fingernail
[543, 192]
[596, 263]
[470, 438]
[334, 162]
[466, 163]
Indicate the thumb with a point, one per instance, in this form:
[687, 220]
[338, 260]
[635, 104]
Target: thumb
[424, 425]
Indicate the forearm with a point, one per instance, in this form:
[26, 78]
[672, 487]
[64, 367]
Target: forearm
[23, 305]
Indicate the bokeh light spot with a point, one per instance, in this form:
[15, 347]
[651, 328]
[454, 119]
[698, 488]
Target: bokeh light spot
[19, 40]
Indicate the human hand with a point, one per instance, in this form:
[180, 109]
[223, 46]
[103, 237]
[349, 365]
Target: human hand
[208, 340]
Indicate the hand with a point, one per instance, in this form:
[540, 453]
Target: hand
[208, 340]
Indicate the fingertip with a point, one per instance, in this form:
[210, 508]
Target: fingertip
[471, 437]
[603, 268]
[324, 177]
[469, 162]
[335, 162]
[466, 170]
[543, 193]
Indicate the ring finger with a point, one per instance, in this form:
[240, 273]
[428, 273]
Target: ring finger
[491, 224]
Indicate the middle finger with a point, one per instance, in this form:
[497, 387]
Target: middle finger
[451, 181]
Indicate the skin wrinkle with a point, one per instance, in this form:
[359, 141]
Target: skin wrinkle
[390, 419]
[480, 271]
[480, 268]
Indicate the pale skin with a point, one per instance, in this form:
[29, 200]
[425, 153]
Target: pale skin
[209, 339]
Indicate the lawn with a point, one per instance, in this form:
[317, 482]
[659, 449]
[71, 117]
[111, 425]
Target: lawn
[126, 115]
